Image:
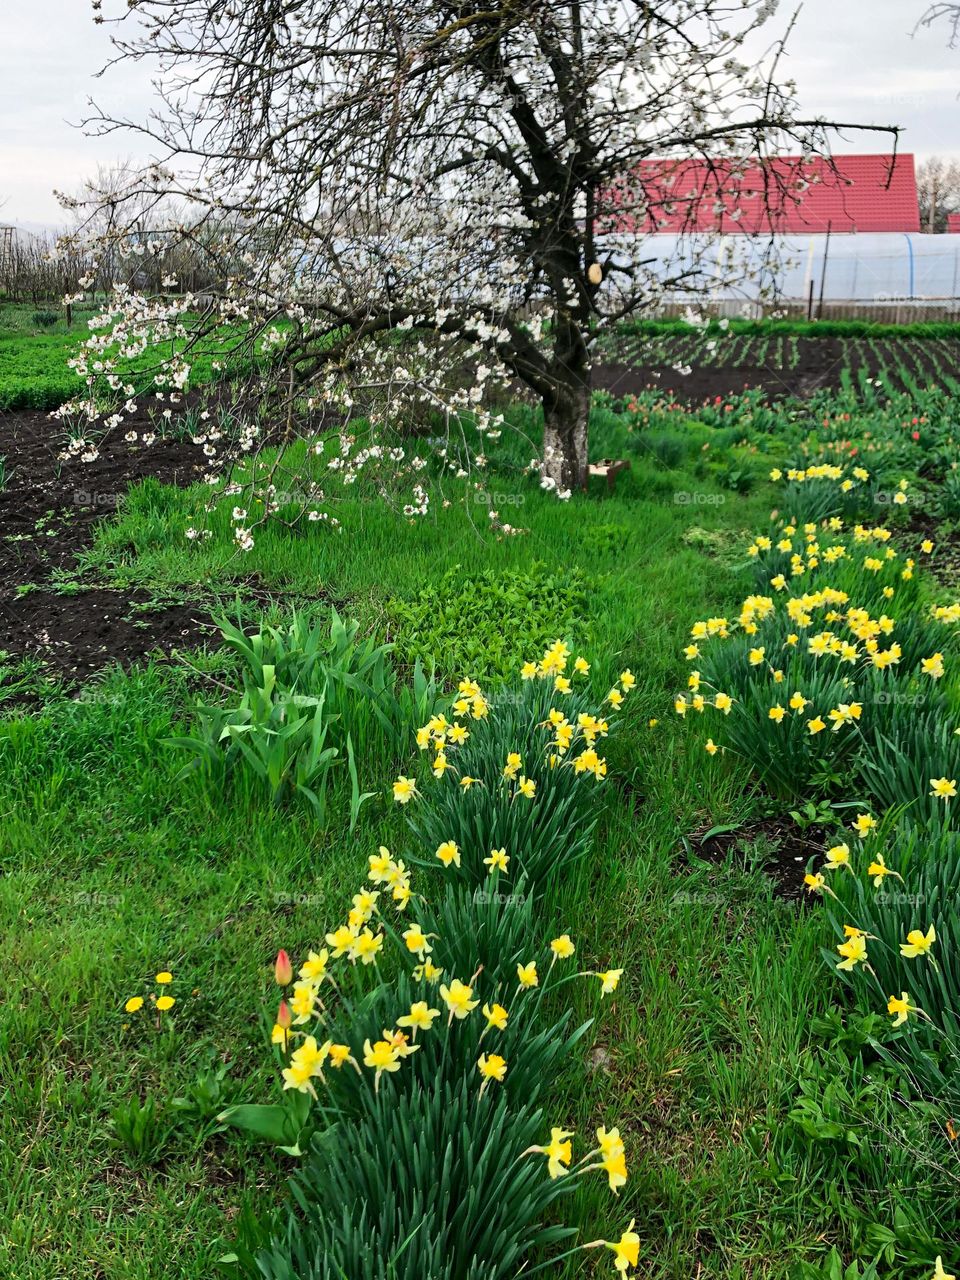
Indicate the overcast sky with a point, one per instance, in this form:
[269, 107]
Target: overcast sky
[852, 59]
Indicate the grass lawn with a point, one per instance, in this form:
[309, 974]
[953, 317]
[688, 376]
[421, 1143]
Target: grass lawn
[112, 870]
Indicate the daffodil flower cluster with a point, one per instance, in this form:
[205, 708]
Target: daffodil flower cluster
[574, 740]
[795, 663]
[319, 994]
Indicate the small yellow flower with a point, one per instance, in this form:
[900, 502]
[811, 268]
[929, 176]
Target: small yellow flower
[710, 747]
[492, 1066]
[838, 856]
[404, 790]
[527, 975]
[626, 1250]
[496, 1016]
[814, 883]
[609, 981]
[864, 824]
[417, 941]
[164, 1003]
[562, 947]
[776, 713]
[943, 788]
[448, 853]
[457, 998]
[815, 725]
[559, 1152]
[420, 1017]
[526, 787]
[900, 1009]
[918, 943]
[878, 869]
[164, 978]
[134, 1004]
[497, 860]
[854, 951]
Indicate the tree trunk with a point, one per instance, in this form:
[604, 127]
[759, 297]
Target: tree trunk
[565, 431]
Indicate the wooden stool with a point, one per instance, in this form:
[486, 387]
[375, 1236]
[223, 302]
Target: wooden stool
[609, 467]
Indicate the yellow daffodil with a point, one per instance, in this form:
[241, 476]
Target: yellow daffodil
[492, 1066]
[420, 1017]
[457, 998]
[838, 856]
[449, 853]
[404, 790]
[562, 947]
[900, 1008]
[417, 941]
[609, 980]
[496, 1016]
[559, 1152]
[527, 975]
[854, 951]
[918, 943]
[497, 860]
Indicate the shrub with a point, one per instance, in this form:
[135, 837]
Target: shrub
[312, 696]
[471, 623]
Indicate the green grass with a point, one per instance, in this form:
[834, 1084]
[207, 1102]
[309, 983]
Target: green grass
[111, 870]
[33, 360]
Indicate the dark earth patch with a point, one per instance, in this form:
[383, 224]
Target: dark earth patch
[78, 632]
[777, 846]
[820, 365]
[48, 510]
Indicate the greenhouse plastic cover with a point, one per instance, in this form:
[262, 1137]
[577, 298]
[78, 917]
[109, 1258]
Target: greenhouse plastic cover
[866, 267]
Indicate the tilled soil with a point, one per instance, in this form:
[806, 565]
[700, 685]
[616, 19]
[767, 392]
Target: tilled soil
[48, 510]
[819, 367]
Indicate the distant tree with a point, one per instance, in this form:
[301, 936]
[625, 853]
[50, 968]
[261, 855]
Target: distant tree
[938, 190]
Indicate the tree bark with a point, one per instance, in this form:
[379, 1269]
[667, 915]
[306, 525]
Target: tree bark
[566, 416]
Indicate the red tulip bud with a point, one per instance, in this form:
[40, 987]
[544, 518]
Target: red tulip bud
[284, 1017]
[283, 969]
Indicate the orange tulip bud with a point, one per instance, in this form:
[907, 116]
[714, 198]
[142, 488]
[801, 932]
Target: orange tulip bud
[284, 1017]
[283, 969]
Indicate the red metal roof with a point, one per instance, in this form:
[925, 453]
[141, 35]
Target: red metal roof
[786, 194]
